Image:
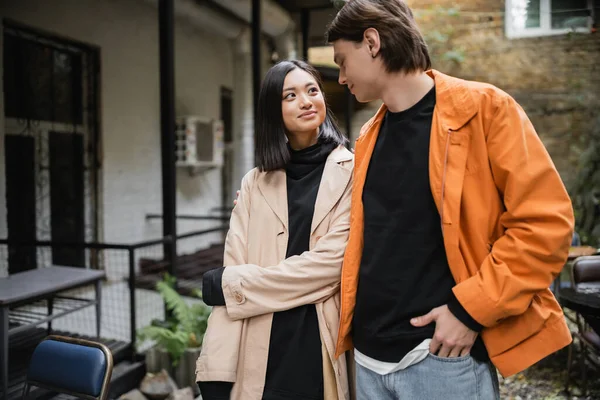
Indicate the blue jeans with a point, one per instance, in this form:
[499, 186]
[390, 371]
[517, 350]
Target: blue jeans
[461, 378]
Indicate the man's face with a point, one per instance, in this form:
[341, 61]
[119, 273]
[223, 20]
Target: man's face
[358, 69]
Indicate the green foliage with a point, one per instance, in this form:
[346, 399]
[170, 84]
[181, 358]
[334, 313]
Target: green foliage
[185, 327]
[585, 190]
[437, 25]
[454, 56]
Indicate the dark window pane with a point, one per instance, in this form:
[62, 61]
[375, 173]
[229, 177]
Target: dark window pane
[67, 87]
[569, 5]
[27, 94]
[20, 201]
[533, 14]
[569, 14]
[67, 202]
[13, 97]
[41, 82]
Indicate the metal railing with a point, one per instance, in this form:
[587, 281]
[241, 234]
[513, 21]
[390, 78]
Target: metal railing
[126, 306]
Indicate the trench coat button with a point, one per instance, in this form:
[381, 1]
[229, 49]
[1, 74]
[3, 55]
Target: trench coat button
[239, 298]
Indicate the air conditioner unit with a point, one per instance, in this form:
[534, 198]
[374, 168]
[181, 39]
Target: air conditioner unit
[198, 142]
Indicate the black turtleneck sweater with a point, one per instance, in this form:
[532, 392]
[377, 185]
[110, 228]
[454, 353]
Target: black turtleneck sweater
[295, 367]
[295, 364]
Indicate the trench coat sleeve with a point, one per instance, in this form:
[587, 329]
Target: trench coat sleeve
[220, 352]
[308, 278]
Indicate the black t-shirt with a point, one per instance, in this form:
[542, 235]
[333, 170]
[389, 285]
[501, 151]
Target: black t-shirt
[404, 272]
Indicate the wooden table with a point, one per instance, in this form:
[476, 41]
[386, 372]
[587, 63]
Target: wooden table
[585, 300]
[579, 251]
[42, 284]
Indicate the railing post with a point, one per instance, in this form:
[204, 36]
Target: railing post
[172, 271]
[132, 306]
[166, 34]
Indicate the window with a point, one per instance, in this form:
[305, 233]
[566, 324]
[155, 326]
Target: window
[41, 82]
[528, 18]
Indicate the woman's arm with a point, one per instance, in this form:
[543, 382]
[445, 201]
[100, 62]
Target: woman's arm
[220, 348]
[311, 277]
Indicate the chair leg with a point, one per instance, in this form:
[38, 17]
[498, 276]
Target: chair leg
[583, 369]
[569, 365]
[50, 311]
[98, 308]
[26, 389]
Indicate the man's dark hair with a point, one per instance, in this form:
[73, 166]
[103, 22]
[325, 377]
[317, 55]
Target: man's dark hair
[403, 48]
[272, 151]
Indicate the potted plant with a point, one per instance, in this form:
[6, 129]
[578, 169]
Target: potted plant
[178, 340]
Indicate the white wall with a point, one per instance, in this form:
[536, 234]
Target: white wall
[126, 31]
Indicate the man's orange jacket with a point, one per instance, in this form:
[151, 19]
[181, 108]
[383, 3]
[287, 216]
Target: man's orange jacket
[507, 220]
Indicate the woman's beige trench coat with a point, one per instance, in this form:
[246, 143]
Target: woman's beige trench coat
[259, 280]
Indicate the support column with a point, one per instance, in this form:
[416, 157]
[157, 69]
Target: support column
[256, 56]
[243, 106]
[3, 216]
[166, 32]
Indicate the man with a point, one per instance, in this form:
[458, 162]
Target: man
[460, 222]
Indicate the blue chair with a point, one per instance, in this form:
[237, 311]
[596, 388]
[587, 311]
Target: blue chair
[71, 366]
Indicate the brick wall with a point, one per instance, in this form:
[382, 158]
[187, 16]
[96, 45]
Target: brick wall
[555, 78]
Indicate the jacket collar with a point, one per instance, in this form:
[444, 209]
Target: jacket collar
[454, 102]
[339, 154]
[336, 176]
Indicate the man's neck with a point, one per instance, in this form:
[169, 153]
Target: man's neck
[402, 91]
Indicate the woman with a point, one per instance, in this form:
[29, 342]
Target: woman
[276, 303]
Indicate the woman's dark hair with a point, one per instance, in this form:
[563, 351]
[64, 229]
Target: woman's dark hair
[403, 48]
[272, 151]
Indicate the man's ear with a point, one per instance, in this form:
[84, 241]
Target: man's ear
[372, 41]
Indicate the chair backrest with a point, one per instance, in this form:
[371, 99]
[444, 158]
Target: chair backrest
[585, 269]
[73, 366]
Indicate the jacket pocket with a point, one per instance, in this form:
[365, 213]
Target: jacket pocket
[514, 330]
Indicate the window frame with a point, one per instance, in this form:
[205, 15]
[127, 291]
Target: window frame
[545, 28]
